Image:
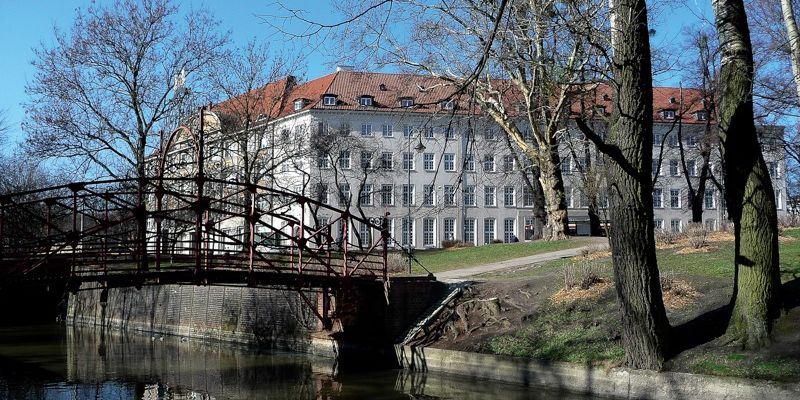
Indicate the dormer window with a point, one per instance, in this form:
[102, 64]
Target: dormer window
[329, 100]
[447, 104]
[407, 102]
[382, 87]
[672, 100]
[365, 101]
[668, 114]
[701, 115]
[299, 104]
[600, 110]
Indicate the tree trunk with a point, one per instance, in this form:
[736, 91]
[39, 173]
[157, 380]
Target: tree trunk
[595, 224]
[794, 40]
[645, 328]
[748, 188]
[555, 202]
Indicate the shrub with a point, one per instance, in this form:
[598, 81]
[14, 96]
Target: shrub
[697, 235]
[496, 241]
[667, 237]
[397, 262]
[581, 275]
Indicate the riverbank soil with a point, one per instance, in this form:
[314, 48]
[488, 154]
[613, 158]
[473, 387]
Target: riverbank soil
[566, 310]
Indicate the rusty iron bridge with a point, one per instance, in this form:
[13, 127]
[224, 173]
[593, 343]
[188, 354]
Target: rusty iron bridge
[178, 229]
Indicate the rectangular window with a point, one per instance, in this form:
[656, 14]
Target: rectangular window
[408, 195]
[322, 193]
[449, 195]
[449, 229]
[691, 140]
[675, 225]
[408, 131]
[329, 100]
[568, 196]
[656, 166]
[773, 169]
[490, 196]
[387, 195]
[675, 198]
[408, 161]
[365, 234]
[508, 163]
[448, 133]
[387, 161]
[408, 232]
[488, 230]
[469, 195]
[673, 168]
[428, 195]
[366, 195]
[469, 230]
[490, 134]
[566, 165]
[366, 129]
[428, 161]
[672, 140]
[657, 194]
[657, 137]
[469, 163]
[778, 199]
[509, 230]
[527, 196]
[388, 131]
[508, 196]
[658, 224]
[365, 101]
[344, 159]
[429, 133]
[344, 194]
[691, 165]
[449, 162]
[366, 160]
[428, 231]
[488, 163]
[323, 161]
[709, 199]
[344, 129]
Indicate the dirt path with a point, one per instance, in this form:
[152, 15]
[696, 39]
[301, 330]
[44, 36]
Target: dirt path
[464, 273]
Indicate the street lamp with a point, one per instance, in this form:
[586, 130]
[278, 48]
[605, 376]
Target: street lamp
[410, 226]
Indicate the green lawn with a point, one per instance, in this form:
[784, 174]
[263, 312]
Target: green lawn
[438, 260]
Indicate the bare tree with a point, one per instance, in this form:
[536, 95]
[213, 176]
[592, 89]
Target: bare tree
[99, 93]
[749, 194]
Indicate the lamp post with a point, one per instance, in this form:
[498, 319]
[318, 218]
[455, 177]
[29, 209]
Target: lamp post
[409, 195]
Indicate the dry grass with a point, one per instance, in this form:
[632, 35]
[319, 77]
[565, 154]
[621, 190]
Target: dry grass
[720, 236]
[576, 293]
[677, 293]
[693, 250]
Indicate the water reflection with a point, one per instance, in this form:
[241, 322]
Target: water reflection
[85, 363]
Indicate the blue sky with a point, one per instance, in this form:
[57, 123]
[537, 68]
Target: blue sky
[24, 25]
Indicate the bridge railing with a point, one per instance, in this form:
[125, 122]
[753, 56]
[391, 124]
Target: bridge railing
[146, 226]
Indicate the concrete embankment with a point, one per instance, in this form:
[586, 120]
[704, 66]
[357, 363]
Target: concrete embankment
[613, 382]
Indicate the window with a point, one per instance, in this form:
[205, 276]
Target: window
[299, 104]
[428, 231]
[566, 165]
[773, 169]
[508, 196]
[323, 161]
[407, 232]
[490, 134]
[568, 196]
[408, 161]
[527, 196]
[387, 195]
[469, 230]
[329, 100]
[364, 233]
[691, 165]
[344, 159]
[449, 162]
[656, 166]
[448, 133]
[672, 140]
[387, 130]
[449, 228]
[691, 140]
[344, 194]
[387, 161]
[449, 195]
[675, 225]
[366, 129]
[778, 199]
[509, 230]
[668, 114]
[469, 163]
[675, 198]
[366, 195]
[490, 196]
[365, 101]
[407, 195]
[322, 193]
[708, 199]
[428, 196]
[701, 115]
[344, 129]
[508, 163]
[428, 161]
[407, 102]
[469, 195]
[488, 163]
[366, 160]
[447, 104]
[657, 137]
[488, 230]
[658, 224]
[657, 198]
[673, 168]
[408, 131]
[601, 110]
[429, 133]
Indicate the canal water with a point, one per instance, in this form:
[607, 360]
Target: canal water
[63, 363]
